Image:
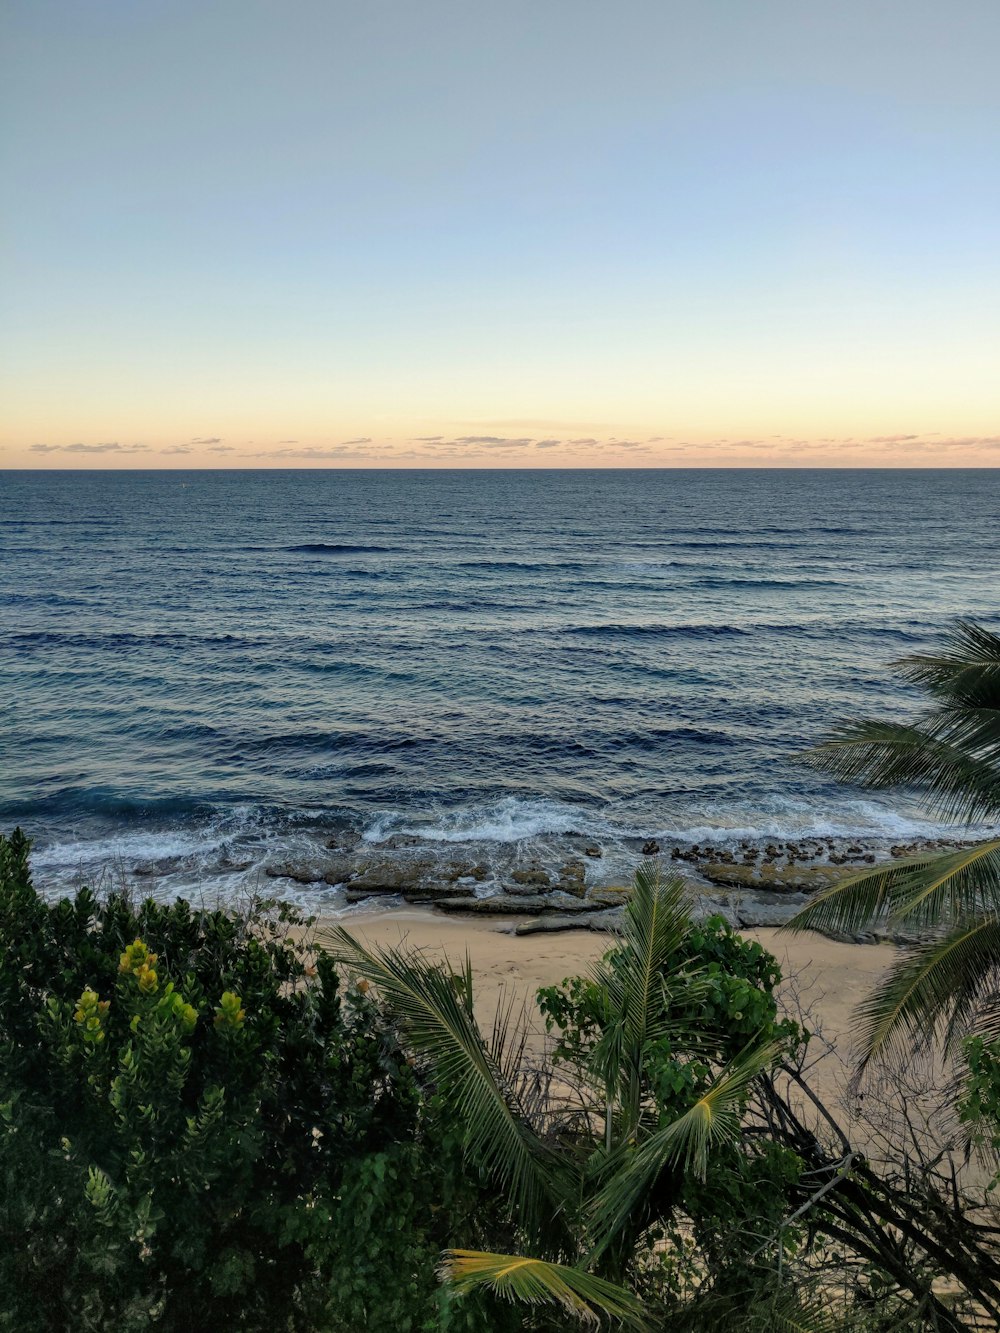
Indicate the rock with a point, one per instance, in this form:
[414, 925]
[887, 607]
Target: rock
[534, 876]
[346, 841]
[702, 908]
[339, 871]
[391, 876]
[773, 878]
[573, 878]
[651, 847]
[423, 891]
[503, 905]
[301, 872]
[397, 840]
[456, 870]
[768, 910]
[594, 852]
[610, 895]
[602, 921]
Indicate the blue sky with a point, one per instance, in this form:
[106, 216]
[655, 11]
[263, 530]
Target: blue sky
[290, 228]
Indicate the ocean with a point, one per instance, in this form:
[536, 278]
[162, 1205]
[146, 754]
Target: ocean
[205, 673]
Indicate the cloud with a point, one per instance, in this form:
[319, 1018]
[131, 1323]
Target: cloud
[547, 444]
[176, 449]
[88, 448]
[222, 449]
[317, 452]
[968, 442]
[285, 441]
[365, 439]
[492, 441]
[588, 440]
[891, 439]
[213, 439]
[427, 439]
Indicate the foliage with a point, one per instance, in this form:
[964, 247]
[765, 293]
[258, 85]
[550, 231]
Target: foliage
[660, 1044]
[199, 1128]
[950, 979]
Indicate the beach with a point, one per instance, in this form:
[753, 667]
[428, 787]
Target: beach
[829, 976]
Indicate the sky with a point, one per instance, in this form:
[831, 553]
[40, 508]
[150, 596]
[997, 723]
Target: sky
[366, 233]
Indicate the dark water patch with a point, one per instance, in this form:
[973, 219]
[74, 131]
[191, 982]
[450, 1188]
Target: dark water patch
[111, 805]
[339, 548]
[641, 631]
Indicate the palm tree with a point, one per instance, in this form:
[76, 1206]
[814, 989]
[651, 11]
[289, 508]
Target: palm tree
[949, 981]
[579, 1204]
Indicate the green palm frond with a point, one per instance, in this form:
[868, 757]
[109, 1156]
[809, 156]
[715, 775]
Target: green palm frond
[686, 1143]
[536, 1282]
[967, 672]
[879, 755]
[937, 984]
[916, 894]
[655, 923]
[633, 978]
[434, 1010]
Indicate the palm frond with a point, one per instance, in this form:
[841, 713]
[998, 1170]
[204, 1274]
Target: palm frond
[966, 672]
[686, 1142]
[434, 1010]
[971, 729]
[918, 893]
[934, 988]
[879, 755]
[632, 975]
[536, 1282]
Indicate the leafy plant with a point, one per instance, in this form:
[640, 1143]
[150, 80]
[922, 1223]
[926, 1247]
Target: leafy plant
[950, 979]
[199, 1128]
[661, 1059]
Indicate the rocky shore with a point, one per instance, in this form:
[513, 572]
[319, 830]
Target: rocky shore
[569, 883]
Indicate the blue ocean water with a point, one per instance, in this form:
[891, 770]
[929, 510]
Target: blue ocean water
[209, 670]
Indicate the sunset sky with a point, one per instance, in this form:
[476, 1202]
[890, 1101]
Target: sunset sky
[557, 233]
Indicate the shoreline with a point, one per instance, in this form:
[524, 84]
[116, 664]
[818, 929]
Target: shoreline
[558, 879]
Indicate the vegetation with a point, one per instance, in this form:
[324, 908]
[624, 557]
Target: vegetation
[198, 1128]
[202, 1125]
[631, 1168]
[948, 979]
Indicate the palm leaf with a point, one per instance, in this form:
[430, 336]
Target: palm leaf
[967, 672]
[655, 923]
[938, 982]
[536, 1282]
[633, 978]
[686, 1142]
[878, 755]
[434, 1010]
[918, 893]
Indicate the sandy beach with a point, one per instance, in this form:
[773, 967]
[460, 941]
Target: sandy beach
[830, 977]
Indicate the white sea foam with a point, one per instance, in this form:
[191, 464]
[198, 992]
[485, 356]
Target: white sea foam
[856, 819]
[506, 819]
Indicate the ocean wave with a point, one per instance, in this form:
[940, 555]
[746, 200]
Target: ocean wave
[506, 819]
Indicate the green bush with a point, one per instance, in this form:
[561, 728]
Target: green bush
[199, 1129]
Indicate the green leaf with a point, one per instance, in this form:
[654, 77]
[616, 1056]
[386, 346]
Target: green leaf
[434, 1009]
[917, 894]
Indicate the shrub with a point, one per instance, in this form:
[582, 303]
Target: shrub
[198, 1128]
